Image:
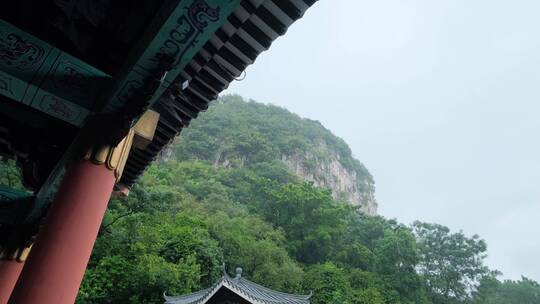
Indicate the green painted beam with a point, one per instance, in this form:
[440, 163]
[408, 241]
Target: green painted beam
[35, 73]
[39, 75]
[13, 205]
[180, 30]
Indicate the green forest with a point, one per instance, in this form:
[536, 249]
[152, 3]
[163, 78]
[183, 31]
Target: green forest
[220, 194]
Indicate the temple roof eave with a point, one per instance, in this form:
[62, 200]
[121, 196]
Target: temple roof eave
[250, 291]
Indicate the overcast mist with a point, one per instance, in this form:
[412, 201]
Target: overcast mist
[439, 99]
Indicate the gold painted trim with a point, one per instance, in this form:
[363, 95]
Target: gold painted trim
[118, 156]
[101, 154]
[24, 254]
[139, 136]
[145, 128]
[114, 158]
[17, 254]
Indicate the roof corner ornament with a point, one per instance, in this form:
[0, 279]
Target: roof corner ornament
[223, 269]
[238, 273]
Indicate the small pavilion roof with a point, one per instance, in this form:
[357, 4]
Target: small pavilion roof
[250, 291]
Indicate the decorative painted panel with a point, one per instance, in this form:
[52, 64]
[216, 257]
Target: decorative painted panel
[21, 55]
[12, 87]
[186, 28]
[59, 107]
[37, 74]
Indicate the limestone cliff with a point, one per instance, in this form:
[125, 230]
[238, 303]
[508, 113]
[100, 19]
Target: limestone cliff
[345, 184]
[236, 133]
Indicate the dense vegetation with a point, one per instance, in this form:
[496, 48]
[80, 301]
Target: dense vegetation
[186, 217]
[236, 133]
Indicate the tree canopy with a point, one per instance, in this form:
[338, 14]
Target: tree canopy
[188, 215]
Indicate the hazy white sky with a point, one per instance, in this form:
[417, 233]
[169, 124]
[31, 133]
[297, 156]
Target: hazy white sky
[439, 99]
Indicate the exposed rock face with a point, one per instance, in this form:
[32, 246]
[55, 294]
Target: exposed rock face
[235, 133]
[330, 173]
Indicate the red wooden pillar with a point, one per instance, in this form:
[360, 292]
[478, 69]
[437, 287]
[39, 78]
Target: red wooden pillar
[9, 273]
[56, 264]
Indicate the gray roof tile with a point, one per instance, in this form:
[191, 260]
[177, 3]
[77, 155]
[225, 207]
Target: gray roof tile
[246, 289]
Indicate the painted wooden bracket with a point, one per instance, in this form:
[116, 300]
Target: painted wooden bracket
[145, 128]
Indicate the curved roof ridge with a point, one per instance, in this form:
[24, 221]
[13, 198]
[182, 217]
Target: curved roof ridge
[275, 291]
[195, 297]
[261, 294]
[245, 288]
[191, 295]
